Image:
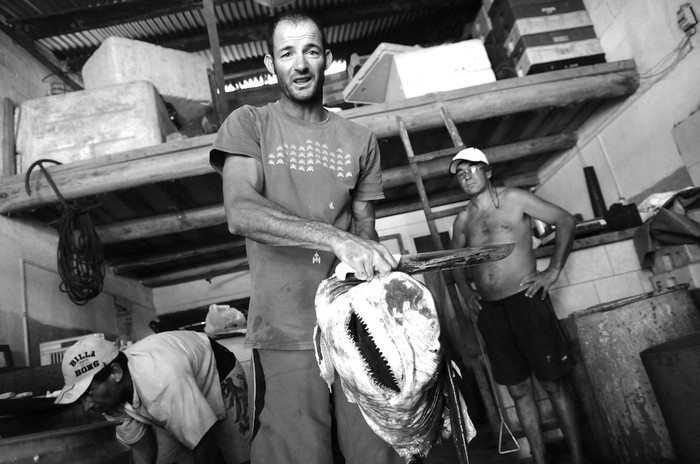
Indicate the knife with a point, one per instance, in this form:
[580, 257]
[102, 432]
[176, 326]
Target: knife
[442, 260]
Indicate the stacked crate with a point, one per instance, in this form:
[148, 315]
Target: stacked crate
[675, 265]
[534, 36]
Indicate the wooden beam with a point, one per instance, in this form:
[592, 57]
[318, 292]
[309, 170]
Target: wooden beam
[511, 152]
[218, 90]
[121, 267]
[214, 215]
[190, 157]
[8, 138]
[162, 224]
[202, 272]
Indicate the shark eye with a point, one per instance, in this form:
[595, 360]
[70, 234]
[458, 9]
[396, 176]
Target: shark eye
[375, 362]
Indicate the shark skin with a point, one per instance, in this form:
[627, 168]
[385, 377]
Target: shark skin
[381, 338]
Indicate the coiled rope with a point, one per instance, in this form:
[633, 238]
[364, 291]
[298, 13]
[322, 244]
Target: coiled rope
[79, 255]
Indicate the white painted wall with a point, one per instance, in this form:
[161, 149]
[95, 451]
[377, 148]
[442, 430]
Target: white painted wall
[174, 298]
[29, 288]
[631, 146]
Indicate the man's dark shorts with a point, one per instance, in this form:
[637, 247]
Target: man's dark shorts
[522, 335]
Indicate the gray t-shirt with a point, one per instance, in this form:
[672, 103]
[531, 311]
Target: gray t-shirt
[314, 170]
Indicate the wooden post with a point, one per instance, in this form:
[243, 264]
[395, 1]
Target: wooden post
[8, 167]
[218, 90]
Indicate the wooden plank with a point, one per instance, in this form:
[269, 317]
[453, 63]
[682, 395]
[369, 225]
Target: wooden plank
[123, 266]
[202, 272]
[167, 161]
[589, 242]
[162, 224]
[500, 98]
[218, 91]
[8, 138]
[439, 167]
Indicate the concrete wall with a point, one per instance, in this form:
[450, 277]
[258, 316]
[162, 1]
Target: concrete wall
[34, 310]
[631, 146]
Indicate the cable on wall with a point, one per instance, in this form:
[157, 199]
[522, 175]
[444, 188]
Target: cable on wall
[79, 255]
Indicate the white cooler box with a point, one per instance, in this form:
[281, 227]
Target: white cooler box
[439, 69]
[82, 125]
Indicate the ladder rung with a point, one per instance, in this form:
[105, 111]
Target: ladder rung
[432, 155]
[444, 213]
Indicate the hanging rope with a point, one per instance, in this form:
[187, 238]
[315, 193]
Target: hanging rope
[80, 261]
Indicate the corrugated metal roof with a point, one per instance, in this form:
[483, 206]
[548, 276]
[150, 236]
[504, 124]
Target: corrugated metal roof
[181, 24]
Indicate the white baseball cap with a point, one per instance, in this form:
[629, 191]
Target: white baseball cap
[81, 362]
[468, 154]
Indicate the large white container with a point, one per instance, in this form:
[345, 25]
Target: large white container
[395, 72]
[86, 124]
[439, 69]
[180, 77]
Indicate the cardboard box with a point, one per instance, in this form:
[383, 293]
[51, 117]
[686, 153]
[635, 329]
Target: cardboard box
[82, 125]
[561, 56]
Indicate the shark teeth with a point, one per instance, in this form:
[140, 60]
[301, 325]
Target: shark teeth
[376, 363]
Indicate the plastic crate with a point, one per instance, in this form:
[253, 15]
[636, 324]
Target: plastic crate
[52, 352]
[689, 274]
[673, 257]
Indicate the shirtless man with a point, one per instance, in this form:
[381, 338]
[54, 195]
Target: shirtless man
[515, 315]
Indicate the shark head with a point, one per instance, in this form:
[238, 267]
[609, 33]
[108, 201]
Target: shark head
[382, 339]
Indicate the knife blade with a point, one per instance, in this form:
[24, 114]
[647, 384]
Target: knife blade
[442, 260]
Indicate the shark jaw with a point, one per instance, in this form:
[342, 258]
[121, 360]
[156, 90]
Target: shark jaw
[375, 363]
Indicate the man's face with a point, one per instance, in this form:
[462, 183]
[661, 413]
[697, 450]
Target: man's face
[472, 177]
[102, 396]
[298, 60]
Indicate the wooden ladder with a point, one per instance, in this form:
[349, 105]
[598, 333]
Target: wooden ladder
[460, 325]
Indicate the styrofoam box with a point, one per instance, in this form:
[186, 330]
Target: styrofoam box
[173, 72]
[86, 124]
[180, 77]
[439, 69]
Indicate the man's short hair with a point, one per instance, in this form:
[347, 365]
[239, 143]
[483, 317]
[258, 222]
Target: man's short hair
[294, 17]
[123, 362]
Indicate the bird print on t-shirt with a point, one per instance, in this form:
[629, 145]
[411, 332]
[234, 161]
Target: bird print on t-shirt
[311, 156]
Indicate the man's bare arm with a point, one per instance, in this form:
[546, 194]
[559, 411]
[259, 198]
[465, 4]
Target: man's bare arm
[463, 276]
[251, 215]
[364, 219]
[564, 224]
